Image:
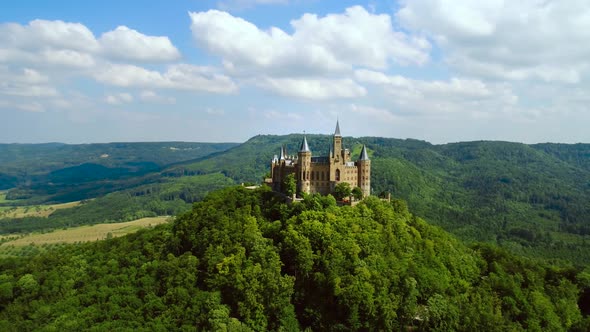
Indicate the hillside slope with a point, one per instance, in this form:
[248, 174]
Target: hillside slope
[529, 198]
[242, 260]
[41, 173]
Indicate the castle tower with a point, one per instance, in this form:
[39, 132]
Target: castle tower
[364, 172]
[304, 163]
[337, 141]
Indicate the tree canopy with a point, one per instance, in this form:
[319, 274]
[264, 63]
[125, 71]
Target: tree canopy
[244, 260]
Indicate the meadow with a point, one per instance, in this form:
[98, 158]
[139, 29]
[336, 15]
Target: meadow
[32, 210]
[83, 233]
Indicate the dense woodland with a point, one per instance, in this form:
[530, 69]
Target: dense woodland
[529, 199]
[242, 260]
[54, 172]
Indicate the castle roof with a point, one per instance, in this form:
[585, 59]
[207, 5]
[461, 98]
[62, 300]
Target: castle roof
[304, 146]
[364, 154]
[337, 131]
[282, 157]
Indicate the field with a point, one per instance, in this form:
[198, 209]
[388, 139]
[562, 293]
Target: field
[32, 211]
[2, 196]
[84, 233]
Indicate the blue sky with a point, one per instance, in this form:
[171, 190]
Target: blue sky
[441, 71]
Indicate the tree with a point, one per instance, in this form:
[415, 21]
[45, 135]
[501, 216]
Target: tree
[289, 185]
[342, 190]
[357, 193]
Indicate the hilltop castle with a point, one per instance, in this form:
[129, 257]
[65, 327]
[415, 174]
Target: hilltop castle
[322, 174]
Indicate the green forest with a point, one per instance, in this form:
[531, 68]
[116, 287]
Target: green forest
[529, 199]
[479, 236]
[242, 260]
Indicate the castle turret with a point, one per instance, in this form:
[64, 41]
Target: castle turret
[364, 172]
[304, 163]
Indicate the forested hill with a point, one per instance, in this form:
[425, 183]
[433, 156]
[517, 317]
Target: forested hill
[56, 172]
[532, 199]
[242, 260]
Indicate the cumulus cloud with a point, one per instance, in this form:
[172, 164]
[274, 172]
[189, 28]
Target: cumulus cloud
[52, 34]
[27, 83]
[125, 43]
[313, 88]
[518, 40]
[438, 96]
[73, 44]
[333, 43]
[182, 77]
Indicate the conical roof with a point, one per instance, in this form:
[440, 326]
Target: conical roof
[364, 154]
[304, 145]
[282, 156]
[337, 131]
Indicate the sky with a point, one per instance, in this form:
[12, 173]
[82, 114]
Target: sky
[223, 71]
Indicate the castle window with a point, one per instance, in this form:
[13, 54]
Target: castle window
[322, 175]
[337, 175]
[312, 175]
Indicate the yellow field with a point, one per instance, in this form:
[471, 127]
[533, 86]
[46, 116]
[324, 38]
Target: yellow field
[33, 211]
[87, 233]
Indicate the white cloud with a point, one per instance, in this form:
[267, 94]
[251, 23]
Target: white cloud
[28, 83]
[333, 43]
[34, 107]
[373, 114]
[436, 96]
[152, 97]
[313, 88]
[518, 40]
[48, 34]
[53, 43]
[119, 98]
[128, 44]
[182, 77]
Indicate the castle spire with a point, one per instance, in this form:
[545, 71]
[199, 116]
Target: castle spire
[337, 131]
[304, 146]
[282, 156]
[364, 154]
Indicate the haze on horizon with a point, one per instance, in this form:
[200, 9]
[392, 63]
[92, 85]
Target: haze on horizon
[227, 70]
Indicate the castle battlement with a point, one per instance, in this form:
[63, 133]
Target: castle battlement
[321, 174]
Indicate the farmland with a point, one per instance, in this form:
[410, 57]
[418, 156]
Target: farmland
[83, 233]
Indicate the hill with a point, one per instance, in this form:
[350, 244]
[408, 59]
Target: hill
[242, 260]
[531, 199]
[58, 173]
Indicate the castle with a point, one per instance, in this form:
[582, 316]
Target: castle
[322, 174]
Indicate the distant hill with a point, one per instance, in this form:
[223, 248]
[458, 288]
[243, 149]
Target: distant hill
[57, 172]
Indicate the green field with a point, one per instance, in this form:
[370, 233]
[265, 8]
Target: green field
[83, 233]
[2, 196]
[33, 210]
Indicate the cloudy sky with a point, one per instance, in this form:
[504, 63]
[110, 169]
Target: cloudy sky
[443, 71]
